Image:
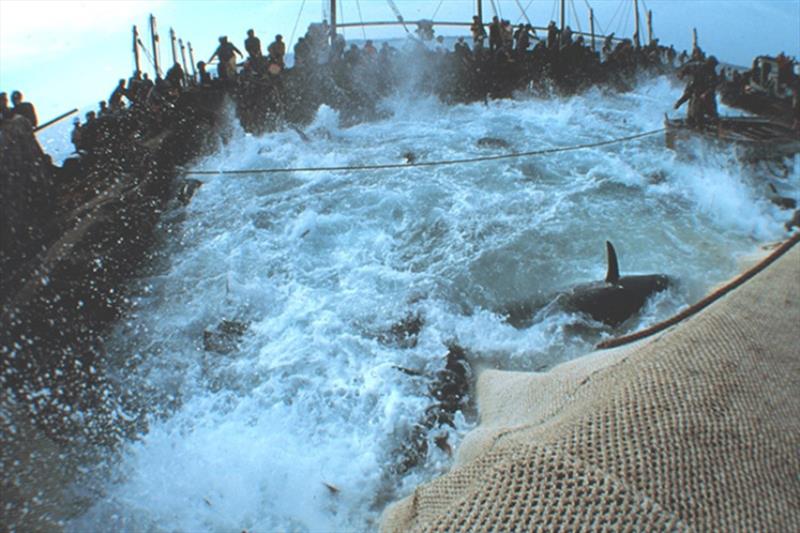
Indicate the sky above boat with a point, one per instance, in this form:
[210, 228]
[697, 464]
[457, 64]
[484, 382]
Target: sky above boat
[63, 53]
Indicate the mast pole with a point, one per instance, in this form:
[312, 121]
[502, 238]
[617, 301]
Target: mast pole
[650, 26]
[174, 48]
[694, 39]
[636, 14]
[191, 58]
[333, 20]
[480, 10]
[154, 38]
[563, 14]
[183, 59]
[591, 26]
[136, 48]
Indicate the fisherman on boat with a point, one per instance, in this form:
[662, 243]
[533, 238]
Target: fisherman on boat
[5, 111]
[115, 100]
[277, 50]
[253, 45]
[478, 32]
[701, 92]
[24, 109]
[227, 59]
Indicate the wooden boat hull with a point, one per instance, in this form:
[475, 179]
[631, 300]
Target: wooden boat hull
[754, 137]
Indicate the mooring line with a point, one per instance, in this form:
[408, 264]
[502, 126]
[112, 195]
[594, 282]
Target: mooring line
[385, 166]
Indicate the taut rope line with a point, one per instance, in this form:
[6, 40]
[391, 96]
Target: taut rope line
[385, 166]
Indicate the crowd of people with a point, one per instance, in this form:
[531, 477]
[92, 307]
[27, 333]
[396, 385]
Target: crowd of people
[500, 56]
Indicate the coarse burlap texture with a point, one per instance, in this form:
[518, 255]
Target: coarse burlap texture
[695, 428]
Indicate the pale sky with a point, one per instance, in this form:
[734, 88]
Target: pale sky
[66, 53]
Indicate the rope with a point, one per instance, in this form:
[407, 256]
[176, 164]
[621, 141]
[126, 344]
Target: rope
[296, 22]
[385, 166]
[524, 10]
[524, 14]
[436, 12]
[575, 14]
[361, 19]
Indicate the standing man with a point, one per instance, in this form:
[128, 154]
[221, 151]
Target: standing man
[277, 50]
[253, 45]
[227, 59]
[24, 109]
[478, 32]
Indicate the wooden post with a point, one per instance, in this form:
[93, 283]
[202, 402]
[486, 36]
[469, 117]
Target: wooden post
[136, 48]
[650, 26]
[591, 26]
[154, 38]
[637, 43]
[174, 48]
[191, 58]
[563, 14]
[183, 60]
[333, 20]
[480, 11]
[694, 39]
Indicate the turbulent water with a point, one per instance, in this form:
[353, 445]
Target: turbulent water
[320, 266]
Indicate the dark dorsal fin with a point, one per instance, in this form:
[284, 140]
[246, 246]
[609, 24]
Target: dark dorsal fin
[612, 276]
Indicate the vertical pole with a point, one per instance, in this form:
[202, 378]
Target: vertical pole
[694, 39]
[154, 38]
[191, 58]
[650, 26]
[333, 20]
[637, 43]
[480, 11]
[563, 14]
[136, 48]
[174, 48]
[183, 60]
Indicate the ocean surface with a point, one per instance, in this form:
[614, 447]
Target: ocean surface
[294, 423]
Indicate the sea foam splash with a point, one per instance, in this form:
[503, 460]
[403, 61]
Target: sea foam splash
[321, 265]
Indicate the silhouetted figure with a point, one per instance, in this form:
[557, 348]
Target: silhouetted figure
[115, 100]
[203, 76]
[495, 35]
[277, 50]
[478, 32]
[353, 56]
[302, 52]
[701, 92]
[24, 109]
[370, 52]
[552, 36]
[253, 45]
[522, 38]
[135, 88]
[175, 76]
[77, 134]
[226, 53]
[5, 111]
[103, 109]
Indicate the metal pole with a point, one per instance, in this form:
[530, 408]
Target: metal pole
[154, 38]
[333, 20]
[636, 13]
[480, 10]
[183, 60]
[591, 26]
[191, 58]
[563, 14]
[53, 121]
[136, 48]
[650, 26]
[694, 39]
[174, 49]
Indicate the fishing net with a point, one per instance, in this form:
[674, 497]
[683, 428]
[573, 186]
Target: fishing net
[696, 428]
